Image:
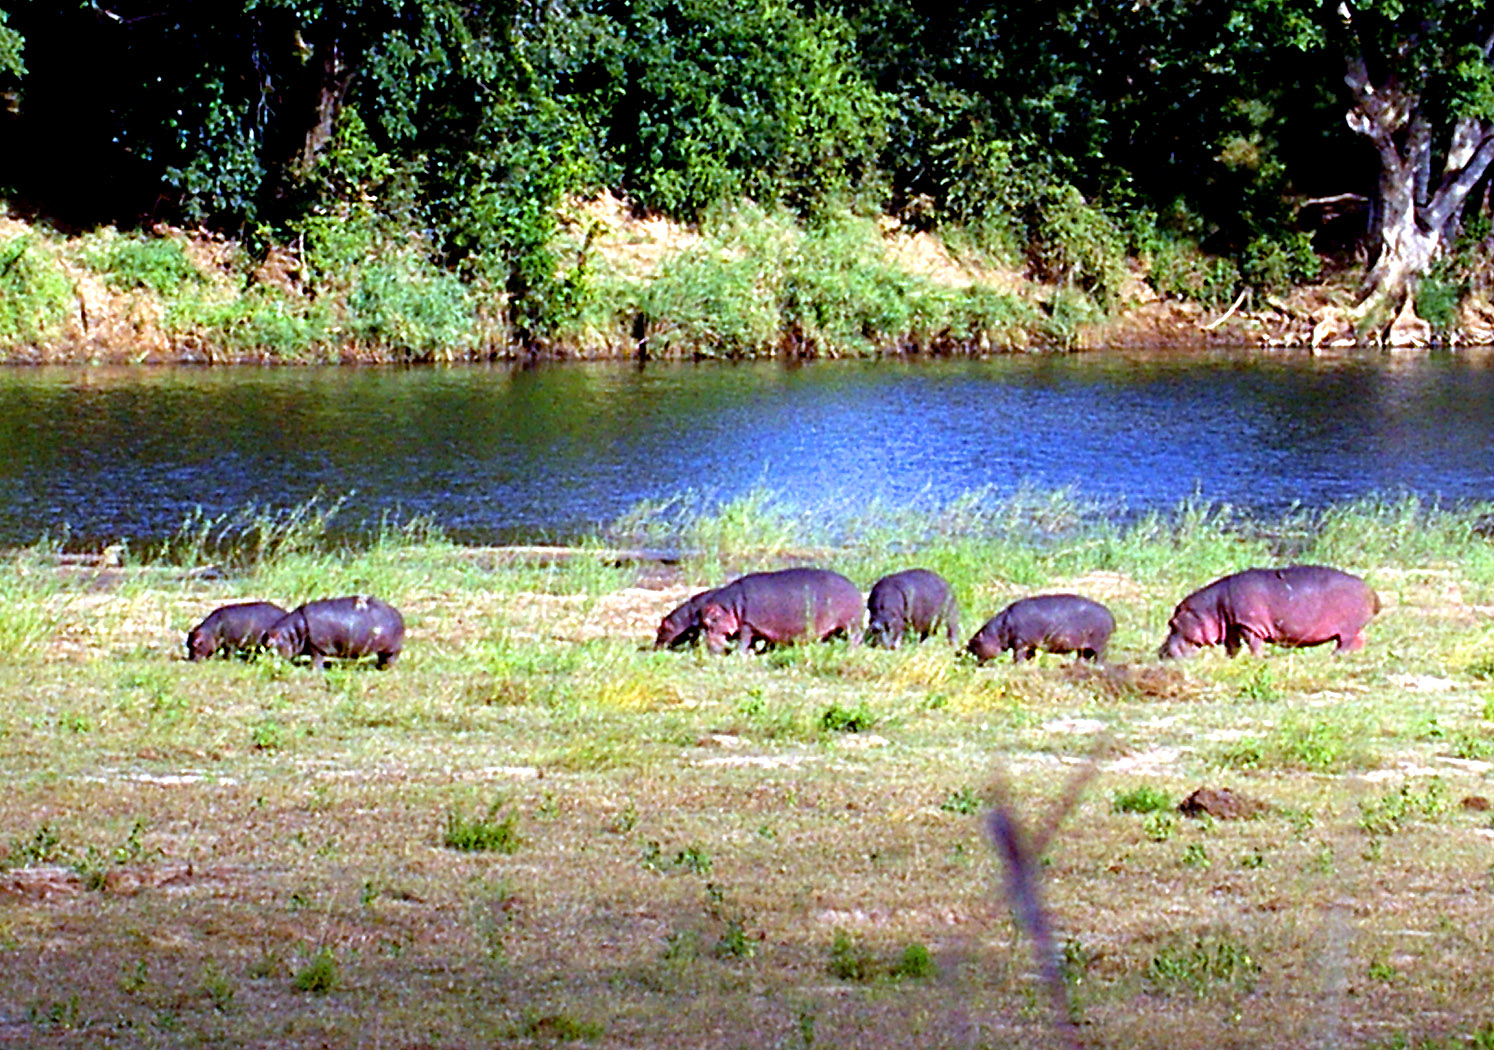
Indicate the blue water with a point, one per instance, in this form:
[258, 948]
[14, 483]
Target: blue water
[498, 454]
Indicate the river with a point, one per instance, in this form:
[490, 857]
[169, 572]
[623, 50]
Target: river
[502, 454]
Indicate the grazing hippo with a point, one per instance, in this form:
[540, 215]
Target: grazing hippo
[233, 629]
[342, 627]
[682, 626]
[1299, 605]
[1054, 623]
[780, 607]
[916, 599]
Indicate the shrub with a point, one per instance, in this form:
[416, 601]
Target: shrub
[1144, 799]
[158, 264]
[35, 295]
[488, 834]
[410, 305]
[1274, 264]
[1076, 243]
[319, 976]
[1181, 270]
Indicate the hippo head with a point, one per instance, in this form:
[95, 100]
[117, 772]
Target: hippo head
[880, 633]
[671, 628]
[199, 644]
[1186, 634]
[718, 624]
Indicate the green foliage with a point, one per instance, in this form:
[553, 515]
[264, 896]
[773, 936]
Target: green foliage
[1143, 799]
[1321, 746]
[12, 44]
[1076, 243]
[1275, 264]
[261, 321]
[411, 306]
[732, 99]
[858, 719]
[156, 263]
[559, 1028]
[1159, 826]
[963, 801]
[850, 960]
[320, 975]
[35, 295]
[267, 735]
[1206, 963]
[1178, 268]
[43, 846]
[1385, 815]
[485, 834]
[916, 963]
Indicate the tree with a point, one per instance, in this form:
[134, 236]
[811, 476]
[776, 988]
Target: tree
[1421, 90]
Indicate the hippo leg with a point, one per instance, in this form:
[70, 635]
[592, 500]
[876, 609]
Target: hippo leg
[1021, 654]
[1350, 644]
[744, 640]
[383, 660]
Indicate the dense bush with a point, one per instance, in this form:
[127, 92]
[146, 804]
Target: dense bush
[35, 294]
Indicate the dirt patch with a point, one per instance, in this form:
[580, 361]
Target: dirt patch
[1222, 804]
[1132, 681]
[635, 244]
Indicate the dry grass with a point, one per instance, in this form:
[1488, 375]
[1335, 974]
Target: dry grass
[233, 854]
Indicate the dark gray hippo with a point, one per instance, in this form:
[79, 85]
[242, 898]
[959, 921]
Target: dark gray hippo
[782, 607]
[917, 600]
[237, 629]
[1054, 623]
[1297, 606]
[346, 628]
[681, 627]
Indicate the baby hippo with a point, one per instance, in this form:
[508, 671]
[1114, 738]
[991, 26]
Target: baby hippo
[681, 626]
[1054, 623]
[233, 629]
[916, 600]
[346, 628]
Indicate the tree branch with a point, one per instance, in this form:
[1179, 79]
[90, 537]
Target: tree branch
[1454, 190]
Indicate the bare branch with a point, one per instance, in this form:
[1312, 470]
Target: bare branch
[1021, 854]
[1227, 314]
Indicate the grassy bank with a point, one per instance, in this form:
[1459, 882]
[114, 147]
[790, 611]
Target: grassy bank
[745, 283]
[534, 830]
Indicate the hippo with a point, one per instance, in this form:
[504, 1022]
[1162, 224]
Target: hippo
[342, 627]
[1297, 606]
[915, 599]
[233, 629]
[1054, 623]
[682, 626]
[782, 607]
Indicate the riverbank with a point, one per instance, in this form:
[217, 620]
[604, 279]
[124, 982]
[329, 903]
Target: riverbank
[752, 284]
[535, 829]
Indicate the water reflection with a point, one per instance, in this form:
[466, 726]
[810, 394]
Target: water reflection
[499, 453]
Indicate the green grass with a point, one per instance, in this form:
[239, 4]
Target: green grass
[536, 828]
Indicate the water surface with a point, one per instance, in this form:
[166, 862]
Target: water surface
[497, 454]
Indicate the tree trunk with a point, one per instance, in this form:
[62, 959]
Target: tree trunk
[332, 92]
[1406, 247]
